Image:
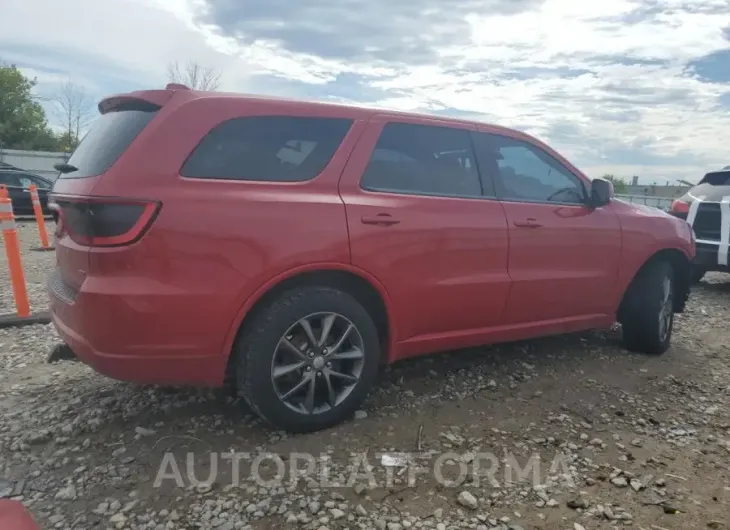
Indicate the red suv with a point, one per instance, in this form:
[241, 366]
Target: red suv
[291, 248]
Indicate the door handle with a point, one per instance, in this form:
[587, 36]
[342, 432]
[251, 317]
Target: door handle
[527, 223]
[382, 219]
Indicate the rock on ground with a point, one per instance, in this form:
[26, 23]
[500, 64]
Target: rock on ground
[616, 438]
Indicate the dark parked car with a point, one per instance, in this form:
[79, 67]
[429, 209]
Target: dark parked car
[707, 208]
[18, 183]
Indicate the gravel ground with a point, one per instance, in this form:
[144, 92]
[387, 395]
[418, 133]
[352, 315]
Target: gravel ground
[36, 265]
[614, 439]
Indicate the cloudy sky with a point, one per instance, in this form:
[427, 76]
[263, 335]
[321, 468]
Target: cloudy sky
[629, 87]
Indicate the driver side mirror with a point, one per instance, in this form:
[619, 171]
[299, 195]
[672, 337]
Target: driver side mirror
[601, 192]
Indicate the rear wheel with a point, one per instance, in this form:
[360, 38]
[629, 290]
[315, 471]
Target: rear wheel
[308, 360]
[649, 318]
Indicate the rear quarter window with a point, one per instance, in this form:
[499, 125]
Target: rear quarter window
[267, 148]
[717, 178]
[110, 135]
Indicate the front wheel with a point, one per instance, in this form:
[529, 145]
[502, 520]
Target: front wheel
[649, 319]
[308, 360]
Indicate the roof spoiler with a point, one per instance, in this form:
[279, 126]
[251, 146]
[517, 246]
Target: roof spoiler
[144, 99]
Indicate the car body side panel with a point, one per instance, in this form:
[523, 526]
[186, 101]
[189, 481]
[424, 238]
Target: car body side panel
[563, 257]
[217, 246]
[444, 263]
[568, 267]
[251, 301]
[213, 244]
[646, 231]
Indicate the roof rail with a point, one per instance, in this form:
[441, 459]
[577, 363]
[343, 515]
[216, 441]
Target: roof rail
[176, 86]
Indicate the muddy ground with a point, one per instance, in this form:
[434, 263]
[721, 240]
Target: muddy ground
[565, 433]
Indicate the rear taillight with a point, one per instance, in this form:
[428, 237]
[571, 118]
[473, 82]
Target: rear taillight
[53, 207]
[104, 222]
[679, 208]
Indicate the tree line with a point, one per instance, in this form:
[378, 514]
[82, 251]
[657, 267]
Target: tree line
[620, 185]
[25, 125]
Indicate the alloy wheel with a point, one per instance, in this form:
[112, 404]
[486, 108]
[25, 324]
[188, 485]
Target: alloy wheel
[317, 363]
[666, 310]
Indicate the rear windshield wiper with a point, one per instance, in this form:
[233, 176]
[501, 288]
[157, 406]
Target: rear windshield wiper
[65, 168]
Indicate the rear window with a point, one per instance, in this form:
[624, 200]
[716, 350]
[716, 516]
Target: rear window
[267, 148]
[108, 138]
[718, 178]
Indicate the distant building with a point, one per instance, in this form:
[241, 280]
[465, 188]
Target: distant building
[38, 162]
[654, 190]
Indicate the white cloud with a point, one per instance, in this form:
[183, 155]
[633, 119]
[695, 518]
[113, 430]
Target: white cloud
[128, 37]
[675, 114]
[563, 65]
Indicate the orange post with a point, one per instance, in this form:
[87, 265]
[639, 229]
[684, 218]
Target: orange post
[40, 221]
[12, 249]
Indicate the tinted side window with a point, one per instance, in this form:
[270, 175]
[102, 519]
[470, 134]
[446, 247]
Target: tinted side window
[26, 181]
[9, 178]
[523, 171]
[423, 160]
[42, 183]
[267, 148]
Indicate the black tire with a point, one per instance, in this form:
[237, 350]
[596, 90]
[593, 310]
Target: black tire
[642, 330]
[697, 274]
[256, 349]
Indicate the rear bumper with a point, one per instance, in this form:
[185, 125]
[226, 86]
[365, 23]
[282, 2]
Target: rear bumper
[107, 332]
[711, 256]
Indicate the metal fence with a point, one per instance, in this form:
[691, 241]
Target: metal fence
[38, 162]
[663, 203]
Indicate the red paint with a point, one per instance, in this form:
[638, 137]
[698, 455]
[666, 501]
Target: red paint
[14, 516]
[679, 206]
[452, 272]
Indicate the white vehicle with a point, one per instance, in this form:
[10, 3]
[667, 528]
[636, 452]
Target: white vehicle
[706, 207]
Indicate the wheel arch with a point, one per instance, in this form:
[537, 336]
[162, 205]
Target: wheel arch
[682, 267]
[360, 284]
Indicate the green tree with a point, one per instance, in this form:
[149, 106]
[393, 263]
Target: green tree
[67, 141]
[619, 185]
[23, 123]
